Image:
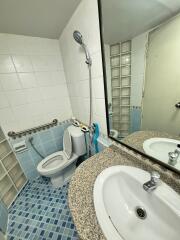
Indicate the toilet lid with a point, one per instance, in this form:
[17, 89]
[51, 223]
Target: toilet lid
[67, 144]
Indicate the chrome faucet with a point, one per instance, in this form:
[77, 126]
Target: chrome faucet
[173, 156]
[153, 183]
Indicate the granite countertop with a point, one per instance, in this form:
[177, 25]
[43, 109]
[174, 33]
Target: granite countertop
[80, 194]
[136, 139]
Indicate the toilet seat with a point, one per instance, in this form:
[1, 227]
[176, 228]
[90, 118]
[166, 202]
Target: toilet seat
[54, 163]
[58, 160]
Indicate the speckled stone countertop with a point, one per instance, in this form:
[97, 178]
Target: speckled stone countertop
[136, 139]
[80, 194]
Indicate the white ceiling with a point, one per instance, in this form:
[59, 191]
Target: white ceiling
[40, 18]
[125, 19]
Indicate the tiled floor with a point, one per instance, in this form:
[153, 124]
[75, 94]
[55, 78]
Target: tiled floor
[41, 212]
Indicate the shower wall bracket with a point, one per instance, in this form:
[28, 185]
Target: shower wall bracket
[13, 134]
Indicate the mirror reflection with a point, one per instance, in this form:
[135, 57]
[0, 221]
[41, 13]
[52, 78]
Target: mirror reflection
[142, 53]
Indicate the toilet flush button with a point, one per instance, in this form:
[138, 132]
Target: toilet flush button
[85, 129]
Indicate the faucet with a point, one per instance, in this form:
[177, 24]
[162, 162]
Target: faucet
[173, 156]
[153, 183]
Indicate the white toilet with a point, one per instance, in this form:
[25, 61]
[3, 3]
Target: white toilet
[60, 166]
[114, 133]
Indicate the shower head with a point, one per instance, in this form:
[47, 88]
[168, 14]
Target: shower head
[78, 37]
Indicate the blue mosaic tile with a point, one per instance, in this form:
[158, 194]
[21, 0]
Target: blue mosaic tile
[41, 212]
[59, 143]
[57, 131]
[50, 147]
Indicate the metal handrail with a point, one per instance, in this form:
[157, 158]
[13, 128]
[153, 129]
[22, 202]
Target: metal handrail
[32, 130]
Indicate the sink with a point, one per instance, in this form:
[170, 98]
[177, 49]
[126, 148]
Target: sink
[160, 147]
[125, 211]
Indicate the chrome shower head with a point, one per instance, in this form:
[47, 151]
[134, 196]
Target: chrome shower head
[78, 37]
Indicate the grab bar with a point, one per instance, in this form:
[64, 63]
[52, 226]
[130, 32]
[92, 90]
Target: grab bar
[32, 130]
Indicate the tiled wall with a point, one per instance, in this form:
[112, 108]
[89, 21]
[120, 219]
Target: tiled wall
[3, 217]
[84, 19]
[46, 141]
[135, 119]
[33, 89]
[108, 72]
[138, 55]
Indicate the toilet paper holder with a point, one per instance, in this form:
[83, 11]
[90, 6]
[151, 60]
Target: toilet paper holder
[20, 146]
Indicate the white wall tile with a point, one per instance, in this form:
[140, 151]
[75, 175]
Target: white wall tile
[10, 125]
[1, 88]
[6, 64]
[33, 95]
[22, 63]
[84, 86]
[33, 87]
[27, 80]
[6, 115]
[25, 124]
[41, 46]
[16, 44]
[36, 108]
[4, 103]
[46, 63]
[50, 78]
[10, 81]
[47, 92]
[99, 107]
[97, 65]
[138, 62]
[98, 87]
[58, 77]
[39, 92]
[18, 110]
[40, 119]
[40, 63]
[83, 72]
[43, 79]
[17, 97]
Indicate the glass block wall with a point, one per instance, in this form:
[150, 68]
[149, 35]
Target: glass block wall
[120, 56]
[3, 218]
[12, 177]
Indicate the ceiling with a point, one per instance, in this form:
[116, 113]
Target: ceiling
[125, 19]
[39, 18]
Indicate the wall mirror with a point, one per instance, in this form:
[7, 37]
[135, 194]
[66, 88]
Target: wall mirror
[141, 55]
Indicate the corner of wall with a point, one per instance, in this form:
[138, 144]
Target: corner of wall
[86, 20]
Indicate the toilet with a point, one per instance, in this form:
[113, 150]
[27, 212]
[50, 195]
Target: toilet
[114, 133]
[60, 165]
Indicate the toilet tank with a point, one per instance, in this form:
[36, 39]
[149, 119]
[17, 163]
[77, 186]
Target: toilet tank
[78, 141]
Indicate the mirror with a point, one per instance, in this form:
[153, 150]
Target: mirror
[141, 42]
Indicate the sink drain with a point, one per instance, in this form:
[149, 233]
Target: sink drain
[140, 212]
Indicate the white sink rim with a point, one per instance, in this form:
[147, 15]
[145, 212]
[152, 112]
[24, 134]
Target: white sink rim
[108, 228]
[147, 147]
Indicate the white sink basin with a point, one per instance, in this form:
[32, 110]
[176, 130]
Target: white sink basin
[118, 190]
[160, 147]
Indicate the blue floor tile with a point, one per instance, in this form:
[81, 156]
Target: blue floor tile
[41, 212]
